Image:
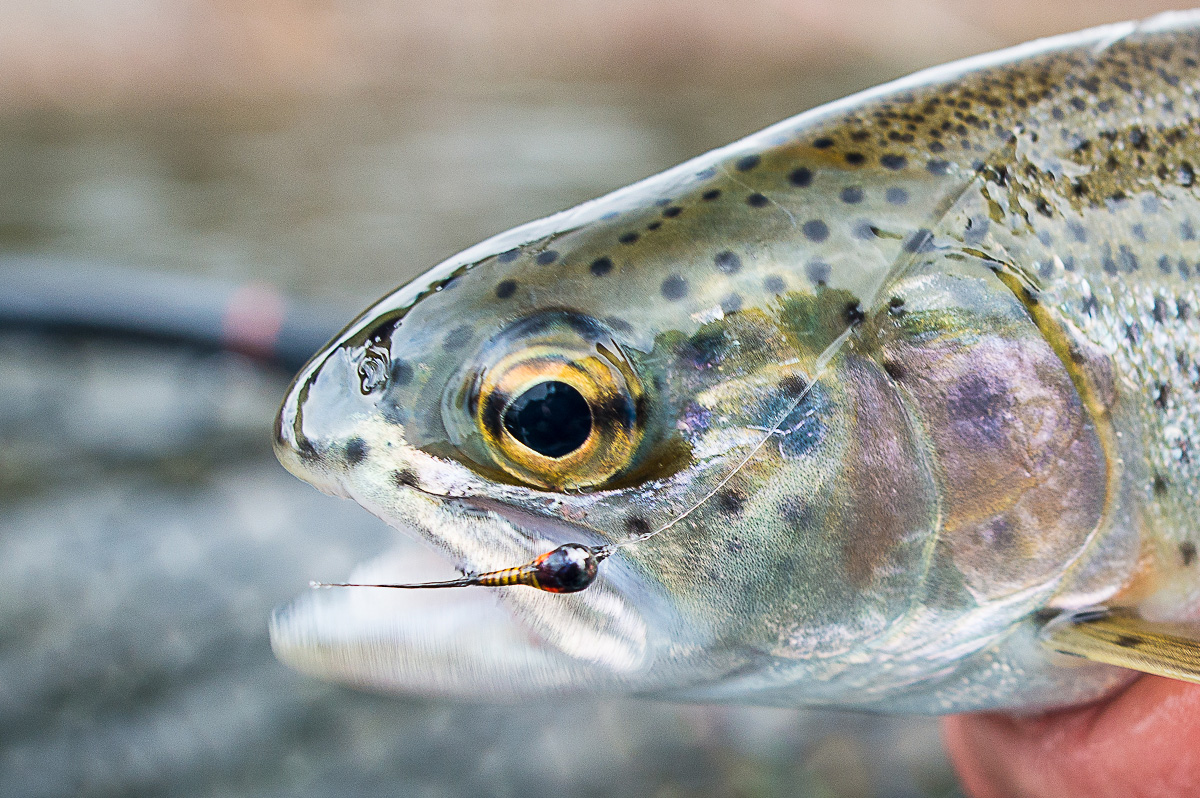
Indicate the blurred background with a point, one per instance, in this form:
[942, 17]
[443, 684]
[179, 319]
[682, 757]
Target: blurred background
[335, 150]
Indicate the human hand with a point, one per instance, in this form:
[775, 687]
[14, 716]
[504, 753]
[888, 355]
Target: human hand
[1143, 741]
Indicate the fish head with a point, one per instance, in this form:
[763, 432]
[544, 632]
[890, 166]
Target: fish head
[661, 370]
[823, 447]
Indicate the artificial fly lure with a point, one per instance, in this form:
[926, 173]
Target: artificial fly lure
[566, 569]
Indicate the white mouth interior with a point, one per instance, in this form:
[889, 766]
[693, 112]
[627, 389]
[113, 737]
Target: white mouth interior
[463, 642]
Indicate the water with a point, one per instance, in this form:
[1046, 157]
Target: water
[146, 531]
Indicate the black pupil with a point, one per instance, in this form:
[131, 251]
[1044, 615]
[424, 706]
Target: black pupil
[552, 418]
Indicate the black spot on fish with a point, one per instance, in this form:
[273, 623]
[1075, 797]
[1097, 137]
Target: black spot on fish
[1182, 309]
[1127, 259]
[853, 313]
[793, 385]
[1160, 310]
[731, 304]
[919, 241]
[815, 230]
[1077, 231]
[976, 407]
[601, 266]
[1163, 396]
[896, 196]
[653, 226]
[757, 200]
[405, 478]
[1160, 485]
[1164, 264]
[1133, 332]
[795, 512]
[800, 177]
[937, 167]
[893, 161]
[629, 238]
[402, 373]
[1110, 265]
[855, 158]
[746, 163]
[505, 289]
[894, 370]
[711, 194]
[1187, 552]
[547, 257]
[637, 526]
[999, 533]
[823, 143]
[727, 262]
[730, 502]
[509, 256]
[458, 337]
[1126, 641]
[674, 287]
[774, 284]
[817, 272]
[706, 348]
[852, 195]
[1185, 175]
[356, 451]
[672, 211]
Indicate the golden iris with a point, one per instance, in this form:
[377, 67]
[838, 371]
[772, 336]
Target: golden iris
[559, 417]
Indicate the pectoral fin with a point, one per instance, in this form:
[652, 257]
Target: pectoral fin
[1129, 642]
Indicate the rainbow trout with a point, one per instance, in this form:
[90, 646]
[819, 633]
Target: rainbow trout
[894, 405]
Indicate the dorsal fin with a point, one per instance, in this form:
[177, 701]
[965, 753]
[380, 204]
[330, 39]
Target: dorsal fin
[1122, 639]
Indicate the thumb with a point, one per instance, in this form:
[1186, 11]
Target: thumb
[1142, 742]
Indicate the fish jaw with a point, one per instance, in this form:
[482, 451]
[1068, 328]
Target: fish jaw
[472, 642]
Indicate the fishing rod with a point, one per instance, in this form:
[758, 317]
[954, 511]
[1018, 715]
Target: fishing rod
[62, 296]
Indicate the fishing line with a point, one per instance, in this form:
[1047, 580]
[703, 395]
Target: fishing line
[821, 364]
[572, 567]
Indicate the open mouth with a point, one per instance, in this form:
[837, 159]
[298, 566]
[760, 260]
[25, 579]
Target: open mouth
[505, 642]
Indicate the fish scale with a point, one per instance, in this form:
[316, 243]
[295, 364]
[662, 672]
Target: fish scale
[869, 398]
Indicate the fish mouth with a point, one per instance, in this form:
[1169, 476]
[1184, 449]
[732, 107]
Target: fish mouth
[478, 642]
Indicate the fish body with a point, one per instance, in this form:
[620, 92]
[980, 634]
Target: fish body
[858, 403]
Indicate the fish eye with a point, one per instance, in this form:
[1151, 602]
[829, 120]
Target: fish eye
[551, 418]
[555, 404]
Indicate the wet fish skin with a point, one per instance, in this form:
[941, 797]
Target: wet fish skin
[912, 372]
